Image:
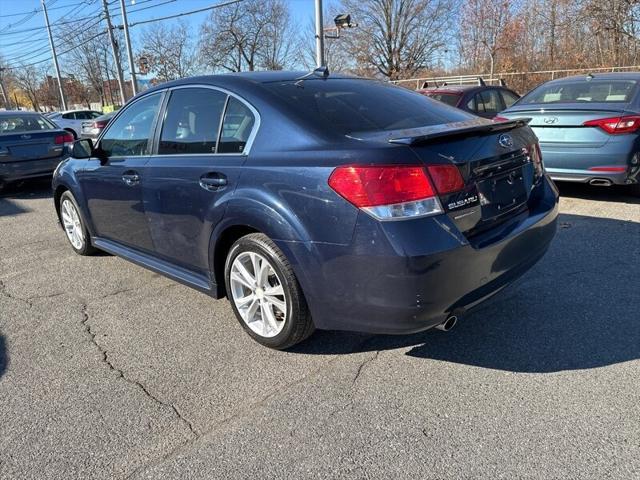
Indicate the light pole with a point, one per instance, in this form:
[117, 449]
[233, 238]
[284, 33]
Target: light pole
[127, 40]
[319, 35]
[63, 101]
[116, 56]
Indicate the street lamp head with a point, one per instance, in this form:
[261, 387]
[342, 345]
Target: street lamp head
[343, 20]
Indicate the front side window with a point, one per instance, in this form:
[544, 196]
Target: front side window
[236, 127]
[192, 121]
[509, 98]
[448, 98]
[129, 134]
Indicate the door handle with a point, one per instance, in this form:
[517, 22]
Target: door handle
[213, 181]
[131, 178]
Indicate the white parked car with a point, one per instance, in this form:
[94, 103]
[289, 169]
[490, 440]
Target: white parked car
[71, 120]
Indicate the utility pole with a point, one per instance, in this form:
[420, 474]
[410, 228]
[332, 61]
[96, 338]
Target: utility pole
[63, 101]
[319, 35]
[7, 101]
[127, 40]
[116, 57]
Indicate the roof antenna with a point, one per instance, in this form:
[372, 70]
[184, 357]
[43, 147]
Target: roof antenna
[481, 82]
[322, 71]
[589, 77]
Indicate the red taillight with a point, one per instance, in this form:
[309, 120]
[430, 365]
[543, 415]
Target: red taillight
[100, 124]
[616, 125]
[63, 139]
[371, 186]
[536, 158]
[387, 192]
[446, 178]
[498, 118]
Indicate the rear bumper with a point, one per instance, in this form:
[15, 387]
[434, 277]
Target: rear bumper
[408, 276]
[23, 169]
[575, 164]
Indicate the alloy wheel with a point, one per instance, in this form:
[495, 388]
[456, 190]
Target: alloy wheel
[72, 224]
[258, 294]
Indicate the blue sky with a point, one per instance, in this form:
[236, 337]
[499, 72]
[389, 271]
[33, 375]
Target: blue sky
[30, 44]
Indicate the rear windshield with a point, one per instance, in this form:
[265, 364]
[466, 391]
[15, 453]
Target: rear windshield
[348, 106]
[448, 98]
[23, 123]
[583, 91]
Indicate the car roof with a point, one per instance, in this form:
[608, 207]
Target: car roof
[18, 112]
[247, 79]
[600, 76]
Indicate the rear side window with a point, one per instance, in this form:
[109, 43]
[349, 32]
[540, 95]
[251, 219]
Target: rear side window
[236, 127]
[23, 123]
[583, 91]
[488, 102]
[128, 135]
[448, 98]
[348, 106]
[192, 121]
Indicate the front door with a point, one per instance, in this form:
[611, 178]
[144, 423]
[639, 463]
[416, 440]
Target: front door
[201, 149]
[113, 184]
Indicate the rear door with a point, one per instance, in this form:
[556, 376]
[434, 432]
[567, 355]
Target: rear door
[202, 144]
[112, 186]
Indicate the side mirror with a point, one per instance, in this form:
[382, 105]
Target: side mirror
[82, 148]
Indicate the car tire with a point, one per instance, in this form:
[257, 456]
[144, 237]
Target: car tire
[74, 225]
[279, 320]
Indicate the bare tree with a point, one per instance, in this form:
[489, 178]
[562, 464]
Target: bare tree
[397, 38]
[28, 80]
[247, 35]
[170, 51]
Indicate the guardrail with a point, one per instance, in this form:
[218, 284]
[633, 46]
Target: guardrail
[495, 79]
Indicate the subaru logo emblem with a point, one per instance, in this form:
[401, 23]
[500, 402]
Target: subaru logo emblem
[550, 120]
[505, 141]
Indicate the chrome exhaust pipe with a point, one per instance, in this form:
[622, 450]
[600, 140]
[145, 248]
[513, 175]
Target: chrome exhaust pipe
[601, 182]
[448, 324]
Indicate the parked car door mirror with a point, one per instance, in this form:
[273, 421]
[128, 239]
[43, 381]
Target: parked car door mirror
[82, 148]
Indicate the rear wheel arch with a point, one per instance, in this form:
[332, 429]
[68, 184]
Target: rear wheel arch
[220, 250]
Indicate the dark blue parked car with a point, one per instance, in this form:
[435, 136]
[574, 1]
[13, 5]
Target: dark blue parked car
[30, 146]
[319, 202]
[588, 127]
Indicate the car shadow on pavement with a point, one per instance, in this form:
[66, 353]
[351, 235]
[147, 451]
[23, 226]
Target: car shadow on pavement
[4, 358]
[576, 309]
[615, 193]
[28, 189]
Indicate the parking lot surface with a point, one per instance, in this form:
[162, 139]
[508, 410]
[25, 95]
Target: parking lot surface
[110, 371]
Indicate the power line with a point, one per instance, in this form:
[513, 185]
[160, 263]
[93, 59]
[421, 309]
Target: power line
[211, 7]
[62, 53]
[37, 10]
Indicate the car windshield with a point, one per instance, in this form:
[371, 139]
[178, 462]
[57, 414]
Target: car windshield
[583, 91]
[348, 106]
[448, 98]
[23, 123]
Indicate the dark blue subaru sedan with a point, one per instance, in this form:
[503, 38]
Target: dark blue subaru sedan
[313, 201]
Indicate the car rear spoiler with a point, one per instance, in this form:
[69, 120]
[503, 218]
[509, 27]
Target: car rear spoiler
[424, 135]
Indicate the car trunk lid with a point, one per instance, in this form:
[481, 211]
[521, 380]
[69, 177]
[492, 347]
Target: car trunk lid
[563, 125]
[22, 146]
[495, 161]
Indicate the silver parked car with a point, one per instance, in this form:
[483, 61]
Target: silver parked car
[71, 120]
[588, 127]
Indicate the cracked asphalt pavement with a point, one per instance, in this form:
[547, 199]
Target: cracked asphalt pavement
[111, 371]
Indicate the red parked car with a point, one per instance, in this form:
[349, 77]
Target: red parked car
[482, 100]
